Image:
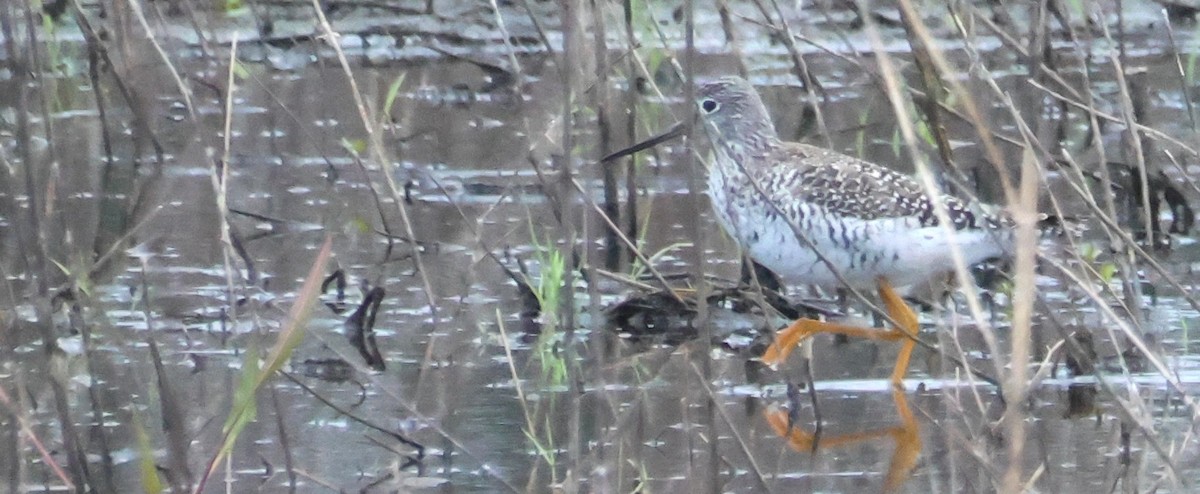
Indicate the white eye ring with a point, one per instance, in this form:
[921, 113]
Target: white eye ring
[709, 105]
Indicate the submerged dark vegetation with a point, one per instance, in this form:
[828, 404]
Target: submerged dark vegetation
[393, 246]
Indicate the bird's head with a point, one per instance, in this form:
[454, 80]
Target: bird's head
[733, 112]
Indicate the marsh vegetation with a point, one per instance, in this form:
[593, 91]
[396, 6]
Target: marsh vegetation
[373, 246]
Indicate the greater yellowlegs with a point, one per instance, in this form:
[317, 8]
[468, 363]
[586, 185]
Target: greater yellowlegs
[811, 214]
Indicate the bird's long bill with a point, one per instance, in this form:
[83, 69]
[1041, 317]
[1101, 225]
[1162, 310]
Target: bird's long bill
[672, 133]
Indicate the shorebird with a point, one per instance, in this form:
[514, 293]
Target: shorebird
[817, 216]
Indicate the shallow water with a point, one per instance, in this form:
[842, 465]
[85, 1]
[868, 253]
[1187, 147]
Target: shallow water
[478, 384]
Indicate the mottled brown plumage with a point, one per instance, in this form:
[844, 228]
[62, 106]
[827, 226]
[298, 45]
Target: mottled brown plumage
[851, 187]
[785, 202]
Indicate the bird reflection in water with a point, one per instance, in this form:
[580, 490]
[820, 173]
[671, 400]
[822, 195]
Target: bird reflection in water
[906, 436]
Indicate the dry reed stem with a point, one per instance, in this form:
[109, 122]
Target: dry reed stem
[1023, 208]
[530, 426]
[1024, 213]
[1116, 232]
[173, 416]
[220, 181]
[812, 85]
[1179, 70]
[625, 240]
[184, 91]
[376, 148]
[698, 261]
[35, 253]
[1129, 409]
[924, 175]
[1119, 235]
[27, 430]
[705, 382]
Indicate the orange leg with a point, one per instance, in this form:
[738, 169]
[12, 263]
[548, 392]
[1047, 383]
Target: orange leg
[908, 444]
[906, 436]
[906, 320]
[907, 328]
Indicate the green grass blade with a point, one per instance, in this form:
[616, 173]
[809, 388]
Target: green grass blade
[151, 483]
[255, 371]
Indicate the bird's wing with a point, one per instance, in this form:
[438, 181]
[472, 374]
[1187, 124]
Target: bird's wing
[850, 187]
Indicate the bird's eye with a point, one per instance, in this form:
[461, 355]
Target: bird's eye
[709, 106]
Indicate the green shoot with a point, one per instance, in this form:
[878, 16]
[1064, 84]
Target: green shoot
[256, 371]
[151, 483]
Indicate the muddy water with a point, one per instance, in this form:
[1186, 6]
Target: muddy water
[648, 419]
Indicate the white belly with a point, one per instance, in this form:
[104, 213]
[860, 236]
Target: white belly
[898, 249]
